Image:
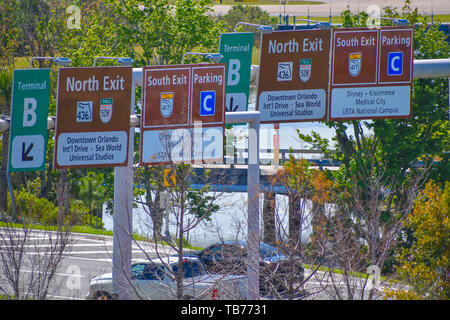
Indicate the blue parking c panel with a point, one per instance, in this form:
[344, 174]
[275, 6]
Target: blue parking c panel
[395, 64]
[207, 103]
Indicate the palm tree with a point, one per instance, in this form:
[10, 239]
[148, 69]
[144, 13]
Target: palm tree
[92, 192]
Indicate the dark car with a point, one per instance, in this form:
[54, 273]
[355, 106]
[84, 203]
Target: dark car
[230, 257]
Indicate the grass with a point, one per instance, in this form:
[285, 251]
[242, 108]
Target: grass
[355, 274]
[337, 19]
[441, 18]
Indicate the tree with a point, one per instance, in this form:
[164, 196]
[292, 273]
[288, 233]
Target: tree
[308, 193]
[304, 186]
[251, 14]
[29, 260]
[149, 194]
[160, 33]
[425, 266]
[9, 43]
[187, 207]
[362, 229]
[92, 192]
[187, 201]
[97, 35]
[390, 149]
[5, 102]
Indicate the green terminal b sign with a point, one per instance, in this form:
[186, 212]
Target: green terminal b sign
[236, 48]
[28, 127]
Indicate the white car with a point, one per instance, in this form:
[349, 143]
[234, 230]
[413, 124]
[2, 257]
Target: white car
[154, 279]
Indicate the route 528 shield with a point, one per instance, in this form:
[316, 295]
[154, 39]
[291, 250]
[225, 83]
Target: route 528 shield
[305, 69]
[106, 106]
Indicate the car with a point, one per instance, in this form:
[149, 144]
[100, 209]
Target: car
[154, 279]
[229, 257]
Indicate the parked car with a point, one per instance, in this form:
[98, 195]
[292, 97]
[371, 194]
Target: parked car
[229, 257]
[153, 279]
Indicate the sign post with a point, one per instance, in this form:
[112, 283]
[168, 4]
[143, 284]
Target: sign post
[293, 78]
[28, 132]
[371, 73]
[236, 49]
[92, 118]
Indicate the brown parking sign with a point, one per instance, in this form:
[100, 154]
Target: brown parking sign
[93, 117]
[293, 80]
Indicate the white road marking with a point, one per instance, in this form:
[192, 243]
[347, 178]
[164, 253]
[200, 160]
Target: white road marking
[65, 298]
[57, 273]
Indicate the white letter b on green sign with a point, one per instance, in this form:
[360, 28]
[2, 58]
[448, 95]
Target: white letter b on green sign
[29, 112]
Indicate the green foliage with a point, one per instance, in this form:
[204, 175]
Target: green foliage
[79, 214]
[32, 209]
[197, 202]
[200, 204]
[5, 91]
[160, 34]
[250, 14]
[92, 193]
[396, 144]
[425, 266]
[382, 153]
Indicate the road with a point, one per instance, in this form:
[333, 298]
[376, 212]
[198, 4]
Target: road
[425, 7]
[86, 256]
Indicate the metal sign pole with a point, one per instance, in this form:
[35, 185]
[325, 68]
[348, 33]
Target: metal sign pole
[253, 210]
[252, 118]
[123, 217]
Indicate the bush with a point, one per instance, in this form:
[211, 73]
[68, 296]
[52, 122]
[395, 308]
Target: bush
[425, 267]
[79, 215]
[31, 208]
